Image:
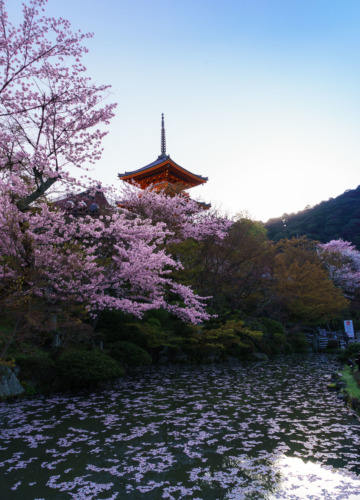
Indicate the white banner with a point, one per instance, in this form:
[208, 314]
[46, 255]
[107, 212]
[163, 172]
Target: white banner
[349, 328]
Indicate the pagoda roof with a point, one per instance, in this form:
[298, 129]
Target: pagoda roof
[161, 163]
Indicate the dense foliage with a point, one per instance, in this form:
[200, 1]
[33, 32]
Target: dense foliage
[301, 286]
[84, 368]
[287, 281]
[129, 354]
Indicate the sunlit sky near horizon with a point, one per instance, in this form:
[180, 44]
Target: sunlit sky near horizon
[261, 96]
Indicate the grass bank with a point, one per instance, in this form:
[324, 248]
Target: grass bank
[350, 377]
[350, 382]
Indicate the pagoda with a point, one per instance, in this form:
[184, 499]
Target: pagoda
[163, 174]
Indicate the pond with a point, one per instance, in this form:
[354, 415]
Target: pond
[261, 431]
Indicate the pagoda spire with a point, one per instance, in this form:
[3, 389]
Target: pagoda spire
[163, 140]
[163, 174]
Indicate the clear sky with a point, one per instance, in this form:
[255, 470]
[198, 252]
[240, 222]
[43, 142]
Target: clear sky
[261, 96]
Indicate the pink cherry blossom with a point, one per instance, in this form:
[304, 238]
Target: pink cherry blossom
[52, 118]
[112, 262]
[51, 114]
[184, 217]
[342, 260]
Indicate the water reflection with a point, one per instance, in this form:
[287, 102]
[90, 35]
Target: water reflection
[215, 432]
[299, 479]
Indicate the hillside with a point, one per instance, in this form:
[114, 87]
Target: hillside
[332, 219]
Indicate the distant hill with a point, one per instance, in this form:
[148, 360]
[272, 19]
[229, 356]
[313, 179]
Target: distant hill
[329, 220]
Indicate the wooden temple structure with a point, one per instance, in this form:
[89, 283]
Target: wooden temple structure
[163, 174]
[92, 203]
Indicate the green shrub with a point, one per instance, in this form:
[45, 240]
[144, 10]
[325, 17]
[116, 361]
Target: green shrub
[37, 367]
[267, 348]
[298, 342]
[154, 333]
[160, 314]
[110, 320]
[273, 340]
[279, 338]
[288, 348]
[272, 326]
[30, 390]
[242, 350]
[87, 368]
[130, 332]
[350, 352]
[233, 338]
[129, 354]
[154, 322]
[273, 343]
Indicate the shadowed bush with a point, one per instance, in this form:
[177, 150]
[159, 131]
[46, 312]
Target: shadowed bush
[298, 342]
[272, 326]
[86, 368]
[129, 354]
[38, 369]
[130, 332]
[350, 352]
[242, 350]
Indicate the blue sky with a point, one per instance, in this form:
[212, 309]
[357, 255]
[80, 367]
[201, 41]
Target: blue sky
[261, 96]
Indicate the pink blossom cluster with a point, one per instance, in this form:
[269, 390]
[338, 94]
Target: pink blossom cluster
[51, 114]
[52, 117]
[342, 260]
[184, 217]
[111, 262]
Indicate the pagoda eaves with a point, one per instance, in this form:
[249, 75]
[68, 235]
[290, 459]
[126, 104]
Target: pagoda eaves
[163, 170]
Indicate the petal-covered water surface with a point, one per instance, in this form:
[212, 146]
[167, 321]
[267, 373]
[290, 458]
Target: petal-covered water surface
[216, 432]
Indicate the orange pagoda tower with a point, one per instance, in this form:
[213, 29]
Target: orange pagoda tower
[163, 174]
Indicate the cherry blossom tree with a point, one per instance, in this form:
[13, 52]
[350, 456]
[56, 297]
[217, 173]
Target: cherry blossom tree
[51, 114]
[342, 260]
[51, 118]
[110, 262]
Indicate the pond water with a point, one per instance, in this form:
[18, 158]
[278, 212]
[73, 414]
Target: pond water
[262, 431]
